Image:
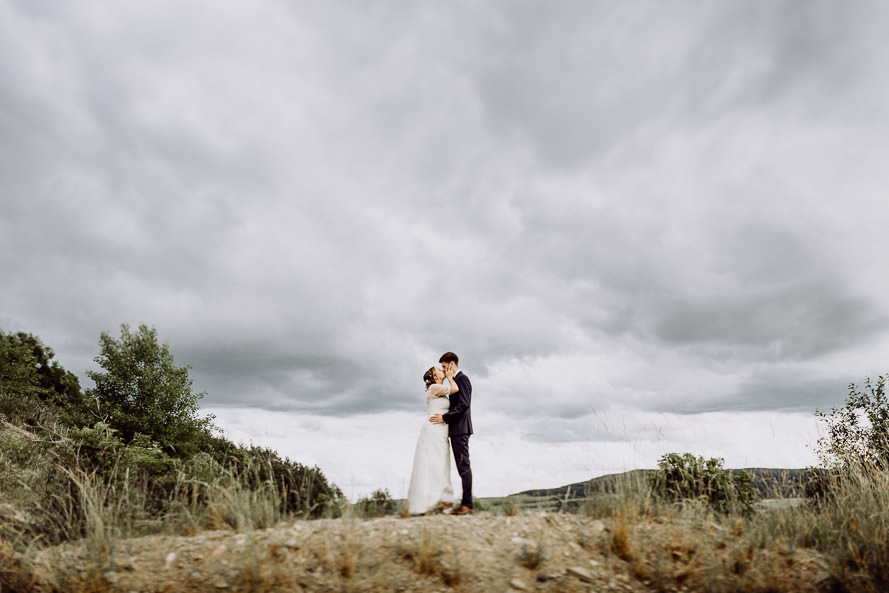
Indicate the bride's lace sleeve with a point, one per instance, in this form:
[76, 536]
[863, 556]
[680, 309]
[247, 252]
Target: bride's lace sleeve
[437, 390]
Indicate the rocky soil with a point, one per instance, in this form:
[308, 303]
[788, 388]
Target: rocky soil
[482, 552]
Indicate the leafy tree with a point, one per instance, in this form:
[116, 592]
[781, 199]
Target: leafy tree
[684, 477]
[31, 382]
[142, 391]
[858, 433]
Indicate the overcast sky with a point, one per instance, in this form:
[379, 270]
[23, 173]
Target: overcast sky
[644, 227]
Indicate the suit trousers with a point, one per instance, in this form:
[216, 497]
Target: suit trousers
[460, 446]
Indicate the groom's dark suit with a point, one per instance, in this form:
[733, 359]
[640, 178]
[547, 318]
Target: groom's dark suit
[459, 421]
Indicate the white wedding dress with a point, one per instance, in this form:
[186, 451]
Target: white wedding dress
[431, 476]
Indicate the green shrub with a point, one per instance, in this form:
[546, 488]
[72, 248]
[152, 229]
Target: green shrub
[855, 439]
[858, 432]
[304, 490]
[378, 504]
[151, 465]
[686, 477]
[478, 505]
[34, 388]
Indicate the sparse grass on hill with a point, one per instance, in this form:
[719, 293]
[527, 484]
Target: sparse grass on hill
[84, 509]
[92, 469]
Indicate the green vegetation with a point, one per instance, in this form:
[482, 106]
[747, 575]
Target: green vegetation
[131, 456]
[686, 477]
[602, 495]
[857, 434]
[144, 394]
[33, 385]
[846, 518]
[711, 533]
[379, 504]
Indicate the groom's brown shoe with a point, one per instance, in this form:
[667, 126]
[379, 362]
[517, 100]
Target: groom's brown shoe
[463, 510]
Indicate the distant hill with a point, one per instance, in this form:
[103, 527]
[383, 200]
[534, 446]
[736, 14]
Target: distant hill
[600, 485]
[770, 482]
[778, 483]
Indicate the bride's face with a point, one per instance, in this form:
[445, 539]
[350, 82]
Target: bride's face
[438, 374]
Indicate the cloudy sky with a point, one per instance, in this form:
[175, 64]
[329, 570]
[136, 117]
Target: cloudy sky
[644, 227]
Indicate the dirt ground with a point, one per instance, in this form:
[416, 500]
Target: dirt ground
[482, 552]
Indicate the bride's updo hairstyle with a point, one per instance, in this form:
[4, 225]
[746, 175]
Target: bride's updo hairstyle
[429, 377]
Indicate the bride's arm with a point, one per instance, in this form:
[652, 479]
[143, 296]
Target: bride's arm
[438, 390]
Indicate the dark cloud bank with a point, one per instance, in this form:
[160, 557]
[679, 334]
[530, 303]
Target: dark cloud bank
[672, 208]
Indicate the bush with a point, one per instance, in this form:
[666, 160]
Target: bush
[303, 490]
[379, 504]
[151, 465]
[686, 477]
[857, 434]
[819, 483]
[34, 388]
[478, 505]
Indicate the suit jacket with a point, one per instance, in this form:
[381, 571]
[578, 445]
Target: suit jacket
[459, 417]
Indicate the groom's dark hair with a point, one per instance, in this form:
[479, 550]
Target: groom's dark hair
[449, 357]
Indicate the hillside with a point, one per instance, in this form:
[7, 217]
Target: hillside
[597, 493]
[770, 482]
[484, 552]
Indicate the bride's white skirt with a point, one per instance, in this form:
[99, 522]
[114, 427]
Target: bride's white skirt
[431, 476]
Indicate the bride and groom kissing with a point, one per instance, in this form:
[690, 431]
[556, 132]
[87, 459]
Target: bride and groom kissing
[449, 415]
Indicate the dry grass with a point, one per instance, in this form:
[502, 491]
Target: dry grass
[428, 553]
[842, 542]
[424, 554]
[429, 558]
[687, 545]
[348, 553]
[532, 558]
[259, 571]
[451, 570]
[619, 543]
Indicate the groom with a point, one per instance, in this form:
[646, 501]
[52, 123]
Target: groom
[459, 421]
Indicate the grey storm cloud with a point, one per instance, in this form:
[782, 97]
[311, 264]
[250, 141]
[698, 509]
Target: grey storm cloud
[312, 201]
[577, 82]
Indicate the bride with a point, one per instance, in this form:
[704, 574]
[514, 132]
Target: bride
[430, 486]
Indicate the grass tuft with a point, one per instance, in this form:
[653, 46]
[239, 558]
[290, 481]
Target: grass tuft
[532, 558]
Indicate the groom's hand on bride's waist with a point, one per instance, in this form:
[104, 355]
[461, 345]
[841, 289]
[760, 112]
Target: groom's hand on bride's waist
[436, 419]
